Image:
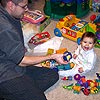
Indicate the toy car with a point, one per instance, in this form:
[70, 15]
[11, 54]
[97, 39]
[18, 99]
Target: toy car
[39, 38]
[73, 28]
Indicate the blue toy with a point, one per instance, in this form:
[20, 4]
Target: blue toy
[98, 75]
[97, 20]
[67, 56]
[64, 67]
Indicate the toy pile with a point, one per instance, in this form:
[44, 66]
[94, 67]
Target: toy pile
[84, 85]
[53, 64]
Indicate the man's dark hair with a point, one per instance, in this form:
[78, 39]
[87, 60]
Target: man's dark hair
[4, 2]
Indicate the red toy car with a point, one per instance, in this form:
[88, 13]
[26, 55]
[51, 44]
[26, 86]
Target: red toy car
[39, 38]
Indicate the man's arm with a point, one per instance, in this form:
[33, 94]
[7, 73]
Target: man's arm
[33, 60]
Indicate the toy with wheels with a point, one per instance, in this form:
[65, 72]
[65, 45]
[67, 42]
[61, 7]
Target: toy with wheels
[73, 28]
[57, 32]
[78, 41]
[60, 8]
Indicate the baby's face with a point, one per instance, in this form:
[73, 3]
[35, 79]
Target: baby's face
[87, 43]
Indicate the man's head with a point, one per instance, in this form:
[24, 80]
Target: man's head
[15, 8]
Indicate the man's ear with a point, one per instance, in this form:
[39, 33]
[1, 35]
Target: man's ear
[10, 5]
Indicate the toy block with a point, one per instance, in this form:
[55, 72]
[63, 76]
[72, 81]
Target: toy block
[61, 51]
[50, 51]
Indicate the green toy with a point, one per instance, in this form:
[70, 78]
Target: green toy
[55, 8]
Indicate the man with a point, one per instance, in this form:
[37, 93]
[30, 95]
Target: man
[20, 79]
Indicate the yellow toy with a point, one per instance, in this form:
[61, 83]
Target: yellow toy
[50, 51]
[61, 51]
[73, 28]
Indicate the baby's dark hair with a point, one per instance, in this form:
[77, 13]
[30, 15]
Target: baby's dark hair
[90, 35]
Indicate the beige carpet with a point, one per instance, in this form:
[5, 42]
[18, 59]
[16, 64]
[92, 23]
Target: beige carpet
[57, 92]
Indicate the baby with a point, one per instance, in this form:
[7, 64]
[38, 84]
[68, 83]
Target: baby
[84, 57]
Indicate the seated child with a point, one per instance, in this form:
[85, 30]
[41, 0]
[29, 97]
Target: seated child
[84, 57]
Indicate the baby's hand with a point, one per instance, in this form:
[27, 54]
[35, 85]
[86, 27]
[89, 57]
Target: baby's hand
[80, 70]
[74, 56]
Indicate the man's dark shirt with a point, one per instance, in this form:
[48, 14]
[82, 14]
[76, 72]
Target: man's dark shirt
[11, 46]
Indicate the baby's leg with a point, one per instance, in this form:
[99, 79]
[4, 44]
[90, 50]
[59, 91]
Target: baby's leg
[70, 72]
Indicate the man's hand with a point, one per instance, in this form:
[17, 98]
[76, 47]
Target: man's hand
[59, 58]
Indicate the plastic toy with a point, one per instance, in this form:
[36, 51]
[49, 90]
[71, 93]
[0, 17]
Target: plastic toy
[33, 16]
[60, 8]
[77, 77]
[93, 84]
[61, 51]
[53, 64]
[98, 75]
[84, 85]
[67, 56]
[94, 90]
[46, 64]
[67, 78]
[86, 91]
[97, 22]
[77, 88]
[66, 66]
[92, 18]
[81, 80]
[96, 5]
[73, 28]
[69, 87]
[40, 38]
[50, 51]
[49, 64]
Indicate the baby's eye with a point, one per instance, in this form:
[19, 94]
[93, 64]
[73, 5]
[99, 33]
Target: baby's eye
[84, 41]
[90, 43]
